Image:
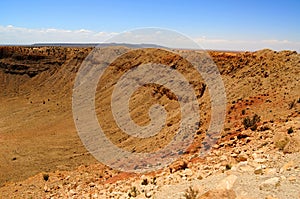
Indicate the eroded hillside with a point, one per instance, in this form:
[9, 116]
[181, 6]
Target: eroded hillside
[37, 131]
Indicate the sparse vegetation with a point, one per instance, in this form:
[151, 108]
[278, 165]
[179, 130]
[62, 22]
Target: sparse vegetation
[46, 176]
[251, 123]
[191, 193]
[154, 181]
[228, 167]
[145, 181]
[292, 104]
[133, 192]
[290, 130]
[254, 127]
[247, 122]
[256, 118]
[243, 112]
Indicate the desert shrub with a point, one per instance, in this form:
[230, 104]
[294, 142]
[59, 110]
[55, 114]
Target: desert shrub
[228, 166]
[133, 192]
[46, 176]
[154, 180]
[243, 112]
[247, 122]
[254, 127]
[251, 123]
[292, 104]
[190, 193]
[255, 119]
[290, 130]
[145, 181]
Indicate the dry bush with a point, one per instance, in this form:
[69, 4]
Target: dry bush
[191, 193]
[251, 123]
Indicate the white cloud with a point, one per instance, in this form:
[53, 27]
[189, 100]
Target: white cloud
[223, 44]
[275, 41]
[18, 35]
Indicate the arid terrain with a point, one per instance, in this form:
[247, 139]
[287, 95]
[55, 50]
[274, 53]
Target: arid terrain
[257, 154]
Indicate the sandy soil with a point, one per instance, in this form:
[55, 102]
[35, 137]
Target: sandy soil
[37, 131]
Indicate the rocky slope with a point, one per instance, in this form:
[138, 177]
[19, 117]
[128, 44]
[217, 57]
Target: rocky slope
[253, 158]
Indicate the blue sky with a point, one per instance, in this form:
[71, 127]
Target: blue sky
[222, 24]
